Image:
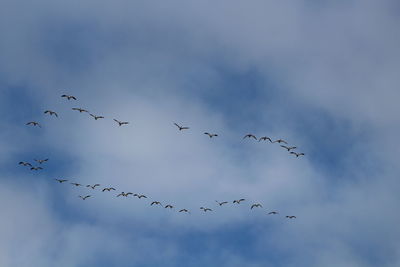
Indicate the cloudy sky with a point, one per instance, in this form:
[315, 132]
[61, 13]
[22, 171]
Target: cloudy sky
[321, 75]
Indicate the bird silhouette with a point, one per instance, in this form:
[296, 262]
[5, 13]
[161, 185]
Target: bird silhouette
[61, 180]
[238, 200]
[156, 203]
[93, 186]
[273, 212]
[256, 206]
[289, 147]
[184, 210]
[169, 206]
[96, 117]
[85, 197]
[69, 97]
[181, 127]
[120, 123]
[297, 154]
[211, 135]
[40, 161]
[51, 113]
[139, 196]
[250, 136]
[291, 217]
[76, 184]
[205, 209]
[25, 163]
[36, 168]
[80, 110]
[265, 138]
[33, 123]
[108, 189]
[221, 203]
[280, 141]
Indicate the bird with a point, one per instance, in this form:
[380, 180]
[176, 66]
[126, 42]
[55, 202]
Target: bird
[51, 113]
[211, 135]
[265, 138]
[184, 210]
[156, 203]
[256, 206]
[85, 197]
[40, 161]
[36, 168]
[80, 110]
[25, 163]
[121, 194]
[169, 206]
[76, 184]
[250, 136]
[291, 217]
[69, 97]
[33, 123]
[273, 212]
[96, 117]
[238, 200]
[280, 141]
[139, 196]
[181, 127]
[289, 147]
[93, 186]
[108, 189]
[61, 180]
[205, 209]
[120, 123]
[221, 203]
[297, 154]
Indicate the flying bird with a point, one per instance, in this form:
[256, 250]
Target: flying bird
[238, 200]
[181, 127]
[291, 217]
[80, 110]
[36, 168]
[273, 212]
[33, 123]
[205, 209]
[265, 138]
[69, 97]
[25, 163]
[93, 186]
[96, 117]
[108, 189]
[211, 135]
[120, 123]
[184, 210]
[289, 147]
[51, 113]
[85, 197]
[250, 136]
[61, 180]
[169, 206]
[280, 141]
[156, 203]
[256, 206]
[297, 154]
[121, 194]
[76, 184]
[40, 161]
[139, 196]
[221, 203]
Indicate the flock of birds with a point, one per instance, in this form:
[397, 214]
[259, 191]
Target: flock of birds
[282, 143]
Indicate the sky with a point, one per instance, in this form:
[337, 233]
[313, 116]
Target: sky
[321, 75]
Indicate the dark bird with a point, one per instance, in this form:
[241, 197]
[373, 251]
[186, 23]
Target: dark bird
[108, 189]
[51, 113]
[121, 194]
[61, 180]
[184, 210]
[40, 161]
[250, 136]
[96, 117]
[265, 138]
[256, 206]
[155, 203]
[36, 168]
[33, 123]
[273, 212]
[93, 186]
[211, 135]
[80, 110]
[69, 97]
[238, 200]
[280, 141]
[139, 196]
[120, 123]
[76, 184]
[25, 163]
[289, 147]
[297, 154]
[181, 127]
[221, 203]
[291, 217]
[205, 209]
[169, 206]
[85, 197]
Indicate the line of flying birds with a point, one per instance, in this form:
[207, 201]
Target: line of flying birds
[283, 143]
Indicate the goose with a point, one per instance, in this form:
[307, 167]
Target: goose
[69, 97]
[280, 141]
[139, 196]
[291, 217]
[265, 138]
[96, 117]
[120, 123]
[33, 123]
[169, 206]
[211, 135]
[85, 197]
[184, 210]
[108, 189]
[273, 212]
[205, 209]
[80, 110]
[238, 200]
[156, 203]
[61, 180]
[51, 113]
[93, 186]
[289, 147]
[25, 163]
[250, 136]
[297, 154]
[256, 206]
[36, 168]
[181, 127]
[221, 203]
[76, 184]
[40, 161]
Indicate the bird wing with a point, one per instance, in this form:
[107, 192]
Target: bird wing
[177, 125]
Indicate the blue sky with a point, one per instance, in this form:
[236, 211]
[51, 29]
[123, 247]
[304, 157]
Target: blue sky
[321, 76]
